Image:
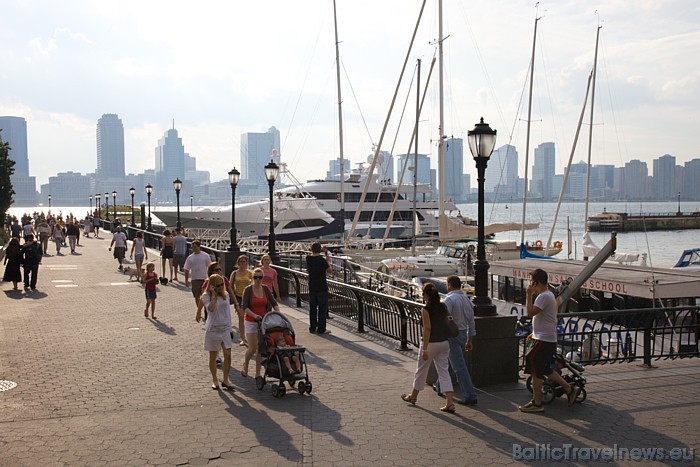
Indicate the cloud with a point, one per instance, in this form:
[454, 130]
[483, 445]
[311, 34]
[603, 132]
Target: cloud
[52, 43]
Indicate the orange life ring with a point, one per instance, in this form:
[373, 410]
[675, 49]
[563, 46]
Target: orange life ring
[538, 243]
[557, 245]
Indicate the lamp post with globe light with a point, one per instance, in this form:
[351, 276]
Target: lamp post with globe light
[49, 203]
[233, 177]
[271, 172]
[149, 190]
[114, 204]
[107, 206]
[99, 207]
[132, 192]
[177, 184]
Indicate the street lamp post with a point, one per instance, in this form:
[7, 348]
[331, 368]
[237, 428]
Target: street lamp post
[177, 184]
[99, 207]
[49, 202]
[233, 177]
[679, 203]
[107, 206]
[149, 190]
[132, 192]
[114, 204]
[482, 140]
[191, 205]
[271, 172]
[90, 203]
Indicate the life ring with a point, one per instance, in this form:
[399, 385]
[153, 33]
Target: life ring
[557, 245]
[538, 243]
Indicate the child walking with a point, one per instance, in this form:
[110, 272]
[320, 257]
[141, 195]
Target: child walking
[150, 280]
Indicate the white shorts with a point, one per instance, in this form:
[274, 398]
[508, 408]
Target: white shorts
[250, 327]
[214, 339]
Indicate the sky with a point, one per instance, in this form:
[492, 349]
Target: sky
[218, 69]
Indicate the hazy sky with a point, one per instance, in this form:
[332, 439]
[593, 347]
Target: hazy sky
[220, 69]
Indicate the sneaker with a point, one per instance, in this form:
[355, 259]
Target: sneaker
[121, 268]
[573, 394]
[468, 401]
[531, 407]
[218, 360]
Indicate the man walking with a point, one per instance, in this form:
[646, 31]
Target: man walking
[119, 242]
[196, 266]
[317, 267]
[73, 233]
[462, 312]
[538, 362]
[179, 251]
[31, 258]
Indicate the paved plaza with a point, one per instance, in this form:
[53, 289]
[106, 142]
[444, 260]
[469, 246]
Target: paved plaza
[99, 384]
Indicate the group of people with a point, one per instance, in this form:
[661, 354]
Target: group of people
[448, 352]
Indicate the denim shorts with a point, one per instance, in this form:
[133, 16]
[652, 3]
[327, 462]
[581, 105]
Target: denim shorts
[150, 294]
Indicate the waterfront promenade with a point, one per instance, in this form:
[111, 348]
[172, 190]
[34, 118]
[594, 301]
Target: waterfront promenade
[99, 384]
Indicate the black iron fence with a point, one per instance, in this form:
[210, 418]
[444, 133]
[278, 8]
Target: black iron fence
[619, 336]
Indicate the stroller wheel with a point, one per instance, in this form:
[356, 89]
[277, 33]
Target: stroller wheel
[275, 390]
[282, 390]
[309, 387]
[548, 392]
[301, 387]
[581, 396]
[259, 383]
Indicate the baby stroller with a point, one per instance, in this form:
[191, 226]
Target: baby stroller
[574, 377]
[272, 326]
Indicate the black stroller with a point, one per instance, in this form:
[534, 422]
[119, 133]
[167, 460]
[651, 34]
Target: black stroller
[272, 326]
[551, 390]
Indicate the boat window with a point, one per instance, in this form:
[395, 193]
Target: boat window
[299, 223]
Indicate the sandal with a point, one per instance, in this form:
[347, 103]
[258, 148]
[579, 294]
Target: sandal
[244, 374]
[409, 399]
[227, 386]
[448, 408]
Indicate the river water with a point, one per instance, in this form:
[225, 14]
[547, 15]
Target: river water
[662, 247]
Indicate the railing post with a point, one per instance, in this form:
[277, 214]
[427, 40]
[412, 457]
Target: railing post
[647, 342]
[403, 338]
[297, 286]
[360, 312]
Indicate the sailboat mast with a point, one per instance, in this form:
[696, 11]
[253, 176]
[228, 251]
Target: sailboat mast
[590, 126]
[442, 222]
[527, 137]
[340, 120]
[415, 161]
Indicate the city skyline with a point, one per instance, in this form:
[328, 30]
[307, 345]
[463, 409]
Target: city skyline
[65, 65]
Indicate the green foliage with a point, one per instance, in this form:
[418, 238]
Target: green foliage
[7, 168]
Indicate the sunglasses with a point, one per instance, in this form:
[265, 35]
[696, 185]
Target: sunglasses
[257, 277]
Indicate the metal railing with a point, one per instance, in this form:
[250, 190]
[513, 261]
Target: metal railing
[618, 336]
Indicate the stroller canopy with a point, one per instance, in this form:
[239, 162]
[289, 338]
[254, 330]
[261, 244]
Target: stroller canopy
[274, 320]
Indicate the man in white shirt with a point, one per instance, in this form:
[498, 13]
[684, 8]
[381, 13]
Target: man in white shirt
[196, 266]
[119, 242]
[540, 357]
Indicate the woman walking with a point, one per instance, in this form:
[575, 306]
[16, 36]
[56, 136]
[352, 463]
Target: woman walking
[270, 276]
[434, 348]
[257, 301]
[217, 328]
[138, 252]
[241, 278]
[166, 253]
[13, 258]
[58, 237]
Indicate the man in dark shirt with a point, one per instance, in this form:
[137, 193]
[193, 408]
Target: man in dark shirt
[31, 258]
[317, 267]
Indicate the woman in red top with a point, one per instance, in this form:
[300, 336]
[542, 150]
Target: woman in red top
[270, 276]
[257, 300]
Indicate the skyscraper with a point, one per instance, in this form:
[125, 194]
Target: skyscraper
[14, 132]
[170, 164]
[502, 172]
[454, 169]
[256, 152]
[424, 175]
[543, 171]
[665, 177]
[110, 147]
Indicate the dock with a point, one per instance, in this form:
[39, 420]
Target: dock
[85, 379]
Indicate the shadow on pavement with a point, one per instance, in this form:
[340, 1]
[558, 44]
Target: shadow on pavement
[162, 327]
[14, 294]
[35, 295]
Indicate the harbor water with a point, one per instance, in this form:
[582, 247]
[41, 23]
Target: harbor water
[663, 248]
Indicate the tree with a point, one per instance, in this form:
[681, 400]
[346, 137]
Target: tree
[7, 168]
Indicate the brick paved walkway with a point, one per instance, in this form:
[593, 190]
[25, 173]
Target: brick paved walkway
[98, 384]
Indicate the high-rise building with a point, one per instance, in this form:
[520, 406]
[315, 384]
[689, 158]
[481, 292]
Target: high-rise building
[14, 132]
[423, 176]
[665, 177]
[170, 164]
[502, 172]
[454, 169]
[256, 152]
[384, 168]
[110, 147]
[635, 174]
[691, 175]
[543, 171]
[334, 169]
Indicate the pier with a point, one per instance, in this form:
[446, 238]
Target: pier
[85, 379]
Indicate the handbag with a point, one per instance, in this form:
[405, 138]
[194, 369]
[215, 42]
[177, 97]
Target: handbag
[452, 329]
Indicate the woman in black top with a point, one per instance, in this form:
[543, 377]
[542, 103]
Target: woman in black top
[434, 348]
